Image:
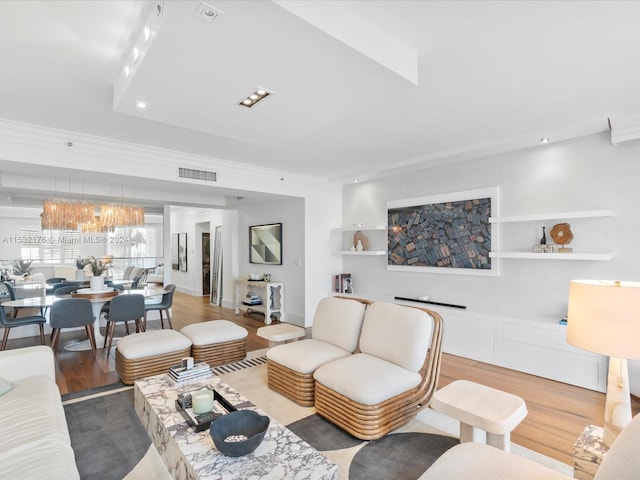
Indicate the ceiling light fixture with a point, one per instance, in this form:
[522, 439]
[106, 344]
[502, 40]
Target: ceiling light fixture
[544, 140]
[136, 54]
[142, 105]
[147, 34]
[207, 12]
[254, 98]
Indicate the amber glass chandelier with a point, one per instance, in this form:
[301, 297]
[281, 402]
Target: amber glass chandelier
[96, 226]
[117, 215]
[65, 214]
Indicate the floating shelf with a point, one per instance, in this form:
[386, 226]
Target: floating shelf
[553, 216]
[359, 229]
[555, 256]
[364, 252]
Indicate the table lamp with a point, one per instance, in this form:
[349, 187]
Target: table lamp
[604, 318]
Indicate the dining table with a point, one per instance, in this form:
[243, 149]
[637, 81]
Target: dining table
[97, 298]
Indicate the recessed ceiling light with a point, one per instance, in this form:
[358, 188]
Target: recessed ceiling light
[254, 98]
[147, 34]
[136, 54]
[544, 140]
[355, 180]
[127, 71]
[142, 105]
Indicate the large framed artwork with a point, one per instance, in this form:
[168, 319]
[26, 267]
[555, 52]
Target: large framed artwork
[265, 244]
[175, 253]
[447, 233]
[182, 252]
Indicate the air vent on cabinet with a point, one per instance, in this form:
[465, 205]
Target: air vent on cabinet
[197, 174]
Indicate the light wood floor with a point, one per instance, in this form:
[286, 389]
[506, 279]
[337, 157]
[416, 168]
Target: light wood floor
[557, 412]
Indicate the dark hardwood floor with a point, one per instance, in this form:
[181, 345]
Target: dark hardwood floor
[557, 412]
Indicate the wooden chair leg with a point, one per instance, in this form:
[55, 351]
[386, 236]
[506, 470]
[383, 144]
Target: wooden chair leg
[5, 337]
[161, 319]
[112, 330]
[169, 319]
[42, 334]
[106, 333]
[144, 322]
[55, 336]
[126, 327]
[92, 338]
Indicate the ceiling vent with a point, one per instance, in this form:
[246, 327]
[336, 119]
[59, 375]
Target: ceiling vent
[193, 174]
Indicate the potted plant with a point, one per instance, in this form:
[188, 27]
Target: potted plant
[97, 268]
[22, 267]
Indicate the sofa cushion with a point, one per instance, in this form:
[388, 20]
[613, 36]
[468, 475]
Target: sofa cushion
[31, 410]
[396, 333]
[338, 321]
[305, 356]
[366, 379]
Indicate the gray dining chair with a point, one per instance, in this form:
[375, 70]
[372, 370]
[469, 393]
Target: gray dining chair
[7, 291]
[9, 323]
[163, 306]
[123, 308]
[71, 313]
[66, 290]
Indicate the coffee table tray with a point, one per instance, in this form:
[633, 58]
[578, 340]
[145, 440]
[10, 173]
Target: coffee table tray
[203, 421]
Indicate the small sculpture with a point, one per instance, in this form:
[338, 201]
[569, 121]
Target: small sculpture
[562, 235]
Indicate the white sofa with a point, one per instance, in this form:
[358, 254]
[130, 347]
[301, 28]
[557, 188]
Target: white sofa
[34, 438]
[475, 460]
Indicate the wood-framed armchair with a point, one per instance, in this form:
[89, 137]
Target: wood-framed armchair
[396, 372]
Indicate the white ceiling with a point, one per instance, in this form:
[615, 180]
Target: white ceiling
[491, 77]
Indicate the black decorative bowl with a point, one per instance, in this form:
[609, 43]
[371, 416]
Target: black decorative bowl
[238, 433]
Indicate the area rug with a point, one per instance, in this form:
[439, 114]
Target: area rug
[110, 442]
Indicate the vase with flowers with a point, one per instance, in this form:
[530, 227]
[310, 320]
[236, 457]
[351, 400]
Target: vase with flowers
[97, 268]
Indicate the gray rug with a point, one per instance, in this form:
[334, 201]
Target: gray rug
[403, 456]
[106, 435]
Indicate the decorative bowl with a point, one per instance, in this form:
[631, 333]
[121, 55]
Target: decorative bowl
[255, 276]
[238, 433]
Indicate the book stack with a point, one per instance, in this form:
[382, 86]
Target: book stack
[199, 371]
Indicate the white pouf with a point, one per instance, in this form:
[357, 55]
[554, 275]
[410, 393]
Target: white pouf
[216, 341]
[150, 353]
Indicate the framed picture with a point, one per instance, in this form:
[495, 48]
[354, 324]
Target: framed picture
[182, 252]
[175, 252]
[265, 244]
[449, 233]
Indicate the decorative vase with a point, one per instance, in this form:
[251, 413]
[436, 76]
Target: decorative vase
[543, 240]
[97, 283]
[359, 246]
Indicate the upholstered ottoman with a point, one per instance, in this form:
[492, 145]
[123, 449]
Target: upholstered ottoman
[144, 354]
[217, 341]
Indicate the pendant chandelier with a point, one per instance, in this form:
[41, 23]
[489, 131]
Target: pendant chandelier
[65, 214]
[74, 215]
[116, 215]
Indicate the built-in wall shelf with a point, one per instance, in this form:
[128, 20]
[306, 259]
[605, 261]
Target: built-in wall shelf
[359, 229]
[378, 241]
[528, 255]
[555, 256]
[356, 253]
[553, 216]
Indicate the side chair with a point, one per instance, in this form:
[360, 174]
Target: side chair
[123, 308]
[71, 313]
[163, 306]
[8, 324]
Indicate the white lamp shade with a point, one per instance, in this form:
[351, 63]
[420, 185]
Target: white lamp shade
[604, 317]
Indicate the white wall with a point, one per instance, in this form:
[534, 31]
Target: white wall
[583, 174]
[289, 212]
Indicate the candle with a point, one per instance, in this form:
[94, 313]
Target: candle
[202, 401]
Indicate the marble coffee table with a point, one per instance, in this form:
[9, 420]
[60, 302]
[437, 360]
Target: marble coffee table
[191, 455]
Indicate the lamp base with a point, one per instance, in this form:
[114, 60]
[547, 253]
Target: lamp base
[617, 410]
